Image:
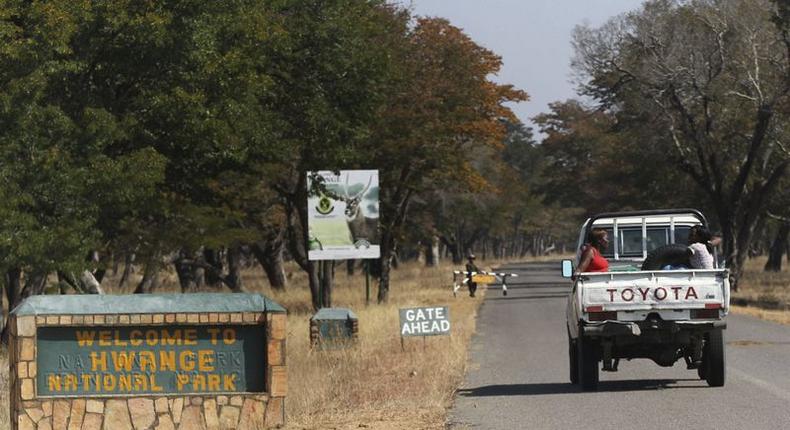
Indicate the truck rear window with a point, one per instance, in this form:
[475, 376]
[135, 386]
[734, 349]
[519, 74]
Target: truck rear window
[630, 240]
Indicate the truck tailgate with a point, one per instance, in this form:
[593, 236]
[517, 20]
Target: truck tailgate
[677, 289]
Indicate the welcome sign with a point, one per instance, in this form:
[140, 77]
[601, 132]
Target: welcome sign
[150, 360]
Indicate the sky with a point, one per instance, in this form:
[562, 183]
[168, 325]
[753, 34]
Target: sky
[533, 37]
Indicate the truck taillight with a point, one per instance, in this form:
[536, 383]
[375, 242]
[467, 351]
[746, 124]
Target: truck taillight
[705, 314]
[603, 316]
[597, 308]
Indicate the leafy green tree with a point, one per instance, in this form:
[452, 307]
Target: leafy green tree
[330, 67]
[140, 107]
[441, 106]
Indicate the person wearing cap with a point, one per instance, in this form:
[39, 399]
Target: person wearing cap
[470, 269]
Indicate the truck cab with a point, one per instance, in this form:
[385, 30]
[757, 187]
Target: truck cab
[642, 307]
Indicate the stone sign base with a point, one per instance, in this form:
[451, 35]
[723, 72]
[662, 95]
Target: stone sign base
[159, 413]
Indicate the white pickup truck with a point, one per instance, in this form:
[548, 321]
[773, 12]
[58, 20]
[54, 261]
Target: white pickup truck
[639, 310]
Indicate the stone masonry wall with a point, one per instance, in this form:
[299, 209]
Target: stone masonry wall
[242, 411]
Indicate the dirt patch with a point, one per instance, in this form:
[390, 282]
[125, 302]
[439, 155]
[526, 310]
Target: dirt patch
[755, 343]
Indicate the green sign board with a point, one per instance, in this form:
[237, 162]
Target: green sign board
[77, 361]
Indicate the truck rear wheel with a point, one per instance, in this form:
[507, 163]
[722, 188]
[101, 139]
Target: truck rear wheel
[588, 363]
[715, 359]
[573, 360]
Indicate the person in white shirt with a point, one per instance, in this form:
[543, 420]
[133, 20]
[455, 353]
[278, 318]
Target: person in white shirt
[700, 245]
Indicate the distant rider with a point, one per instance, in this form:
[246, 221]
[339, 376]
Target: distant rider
[470, 269]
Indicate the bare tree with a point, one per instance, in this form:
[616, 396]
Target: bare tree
[712, 77]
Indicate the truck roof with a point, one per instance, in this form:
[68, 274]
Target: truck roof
[650, 220]
[652, 216]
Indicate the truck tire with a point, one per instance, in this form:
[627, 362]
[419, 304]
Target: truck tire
[573, 360]
[588, 363]
[715, 359]
[673, 254]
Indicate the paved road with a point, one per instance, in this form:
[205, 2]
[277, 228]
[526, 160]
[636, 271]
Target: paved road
[518, 377]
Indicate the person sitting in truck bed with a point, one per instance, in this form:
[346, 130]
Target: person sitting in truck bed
[700, 240]
[591, 259]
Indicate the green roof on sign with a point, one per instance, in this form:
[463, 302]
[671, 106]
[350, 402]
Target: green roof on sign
[145, 304]
[334, 314]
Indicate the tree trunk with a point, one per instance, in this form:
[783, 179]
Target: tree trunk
[34, 285]
[234, 279]
[213, 257]
[98, 275]
[314, 283]
[436, 256]
[150, 280]
[384, 276]
[778, 248]
[128, 269]
[430, 257]
[13, 291]
[89, 283]
[270, 257]
[351, 266]
[326, 283]
[13, 287]
[186, 274]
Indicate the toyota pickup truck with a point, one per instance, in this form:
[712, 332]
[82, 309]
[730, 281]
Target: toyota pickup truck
[649, 304]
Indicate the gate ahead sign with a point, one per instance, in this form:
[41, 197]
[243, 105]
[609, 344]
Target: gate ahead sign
[431, 321]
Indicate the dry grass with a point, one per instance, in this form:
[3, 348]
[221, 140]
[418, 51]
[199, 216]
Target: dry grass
[758, 286]
[781, 317]
[375, 384]
[4, 387]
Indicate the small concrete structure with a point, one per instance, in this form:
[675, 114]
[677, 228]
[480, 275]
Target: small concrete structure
[332, 328]
[192, 361]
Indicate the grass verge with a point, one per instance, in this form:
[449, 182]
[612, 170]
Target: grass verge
[781, 317]
[377, 384]
[765, 290]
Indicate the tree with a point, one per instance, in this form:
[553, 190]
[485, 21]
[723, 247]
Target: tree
[66, 190]
[711, 78]
[440, 105]
[137, 110]
[594, 162]
[330, 65]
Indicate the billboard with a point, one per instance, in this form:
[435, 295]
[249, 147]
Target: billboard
[343, 214]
